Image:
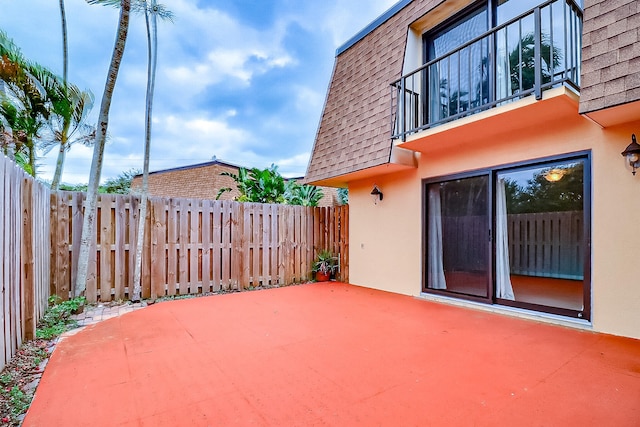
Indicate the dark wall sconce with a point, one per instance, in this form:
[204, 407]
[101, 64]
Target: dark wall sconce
[632, 154]
[377, 194]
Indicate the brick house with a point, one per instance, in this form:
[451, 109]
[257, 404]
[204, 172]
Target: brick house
[203, 181]
[481, 144]
[200, 181]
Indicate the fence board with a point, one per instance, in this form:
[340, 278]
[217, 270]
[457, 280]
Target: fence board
[207, 212]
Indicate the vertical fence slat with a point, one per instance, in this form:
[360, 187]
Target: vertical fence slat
[216, 247]
[158, 248]
[206, 245]
[27, 298]
[119, 282]
[194, 253]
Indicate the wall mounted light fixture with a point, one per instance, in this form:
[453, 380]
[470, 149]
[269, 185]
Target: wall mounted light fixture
[632, 154]
[377, 194]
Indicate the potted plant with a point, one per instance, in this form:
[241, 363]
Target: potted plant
[326, 263]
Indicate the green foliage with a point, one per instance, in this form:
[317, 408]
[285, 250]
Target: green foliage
[268, 186]
[302, 195]
[120, 184]
[326, 262]
[19, 401]
[343, 196]
[74, 187]
[258, 185]
[57, 319]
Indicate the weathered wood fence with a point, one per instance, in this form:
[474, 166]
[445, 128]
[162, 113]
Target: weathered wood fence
[25, 254]
[192, 245]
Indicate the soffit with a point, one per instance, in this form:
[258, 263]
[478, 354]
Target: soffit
[617, 115]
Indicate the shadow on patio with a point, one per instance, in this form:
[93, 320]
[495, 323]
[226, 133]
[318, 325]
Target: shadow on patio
[334, 354]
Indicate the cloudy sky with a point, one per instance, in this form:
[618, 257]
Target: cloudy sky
[242, 80]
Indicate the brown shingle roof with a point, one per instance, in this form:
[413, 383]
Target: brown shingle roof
[610, 54]
[355, 127]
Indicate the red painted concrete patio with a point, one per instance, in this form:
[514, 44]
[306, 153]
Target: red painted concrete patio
[337, 355]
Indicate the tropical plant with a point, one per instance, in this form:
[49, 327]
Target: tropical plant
[152, 11]
[88, 223]
[303, 195]
[257, 185]
[326, 262]
[67, 125]
[23, 100]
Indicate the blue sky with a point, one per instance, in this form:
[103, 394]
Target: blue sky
[243, 80]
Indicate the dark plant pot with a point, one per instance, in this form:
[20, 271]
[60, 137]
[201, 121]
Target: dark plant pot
[322, 277]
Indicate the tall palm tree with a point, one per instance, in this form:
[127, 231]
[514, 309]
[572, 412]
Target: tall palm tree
[152, 11]
[66, 122]
[88, 224]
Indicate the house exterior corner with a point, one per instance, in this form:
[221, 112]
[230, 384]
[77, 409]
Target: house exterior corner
[519, 199]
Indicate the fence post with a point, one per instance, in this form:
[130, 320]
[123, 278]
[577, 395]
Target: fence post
[27, 273]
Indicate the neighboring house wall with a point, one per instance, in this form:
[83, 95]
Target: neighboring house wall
[610, 54]
[202, 181]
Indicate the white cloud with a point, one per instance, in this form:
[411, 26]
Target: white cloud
[203, 54]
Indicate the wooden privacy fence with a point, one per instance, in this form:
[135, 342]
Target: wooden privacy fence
[24, 250]
[193, 245]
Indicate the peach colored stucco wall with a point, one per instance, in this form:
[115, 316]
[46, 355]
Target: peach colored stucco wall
[386, 239]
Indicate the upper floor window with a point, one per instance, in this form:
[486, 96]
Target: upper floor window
[491, 53]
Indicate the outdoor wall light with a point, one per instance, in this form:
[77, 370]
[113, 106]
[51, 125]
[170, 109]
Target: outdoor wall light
[632, 154]
[376, 193]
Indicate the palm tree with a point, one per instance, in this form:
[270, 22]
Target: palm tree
[24, 99]
[152, 11]
[68, 126]
[101, 137]
[73, 113]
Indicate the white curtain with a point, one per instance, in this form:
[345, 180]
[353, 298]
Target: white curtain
[435, 267]
[503, 72]
[504, 289]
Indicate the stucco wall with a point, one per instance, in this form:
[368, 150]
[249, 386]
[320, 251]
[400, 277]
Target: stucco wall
[386, 239]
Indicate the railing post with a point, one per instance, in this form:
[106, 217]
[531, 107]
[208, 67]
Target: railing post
[538, 53]
[401, 110]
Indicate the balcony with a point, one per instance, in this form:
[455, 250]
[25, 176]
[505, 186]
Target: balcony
[523, 57]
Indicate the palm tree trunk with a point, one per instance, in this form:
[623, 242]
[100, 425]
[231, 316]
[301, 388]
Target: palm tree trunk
[62, 153]
[55, 183]
[152, 48]
[88, 225]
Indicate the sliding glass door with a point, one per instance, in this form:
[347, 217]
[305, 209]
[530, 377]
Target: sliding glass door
[458, 237]
[516, 236]
[541, 243]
